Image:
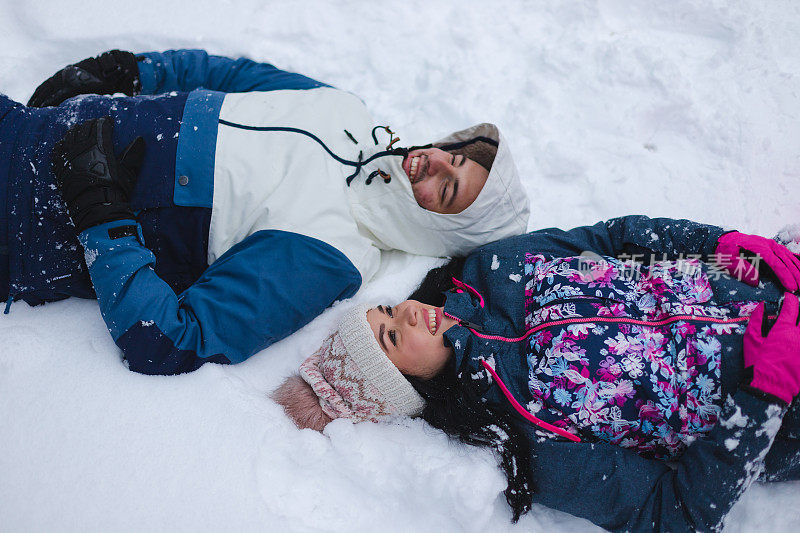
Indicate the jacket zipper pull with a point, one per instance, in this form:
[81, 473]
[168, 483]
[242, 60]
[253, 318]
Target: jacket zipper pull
[465, 323]
[470, 325]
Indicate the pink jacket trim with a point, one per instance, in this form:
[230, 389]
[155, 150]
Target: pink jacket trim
[524, 412]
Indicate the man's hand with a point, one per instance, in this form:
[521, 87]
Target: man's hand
[111, 72]
[96, 185]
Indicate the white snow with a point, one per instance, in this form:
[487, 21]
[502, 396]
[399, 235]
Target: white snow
[686, 109]
[736, 419]
[516, 278]
[772, 424]
[791, 235]
[731, 444]
[495, 263]
[90, 255]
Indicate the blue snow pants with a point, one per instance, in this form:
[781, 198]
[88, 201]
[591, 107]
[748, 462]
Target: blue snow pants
[40, 257]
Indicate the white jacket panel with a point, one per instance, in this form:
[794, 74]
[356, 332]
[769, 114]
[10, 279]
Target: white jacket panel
[285, 180]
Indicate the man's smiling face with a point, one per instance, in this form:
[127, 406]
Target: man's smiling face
[443, 182]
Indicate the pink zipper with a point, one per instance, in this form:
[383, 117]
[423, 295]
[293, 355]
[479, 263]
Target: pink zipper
[583, 320]
[524, 412]
[464, 287]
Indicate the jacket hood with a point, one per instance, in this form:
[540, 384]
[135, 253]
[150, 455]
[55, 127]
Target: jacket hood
[389, 215]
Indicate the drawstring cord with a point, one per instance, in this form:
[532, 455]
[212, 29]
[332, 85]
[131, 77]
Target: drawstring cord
[350, 136]
[386, 177]
[357, 164]
[388, 151]
[392, 138]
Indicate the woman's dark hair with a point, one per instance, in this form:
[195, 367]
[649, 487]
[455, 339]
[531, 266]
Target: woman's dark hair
[453, 405]
[438, 281]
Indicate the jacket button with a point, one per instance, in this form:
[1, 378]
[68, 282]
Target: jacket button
[183, 180]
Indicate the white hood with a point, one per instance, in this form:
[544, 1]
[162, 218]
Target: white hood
[390, 216]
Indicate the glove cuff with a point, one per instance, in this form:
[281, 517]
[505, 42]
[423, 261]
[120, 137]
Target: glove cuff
[121, 70]
[755, 385]
[101, 215]
[763, 396]
[726, 238]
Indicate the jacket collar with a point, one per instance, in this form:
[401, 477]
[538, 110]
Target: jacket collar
[465, 308]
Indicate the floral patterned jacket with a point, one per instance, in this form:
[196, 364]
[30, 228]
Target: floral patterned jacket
[627, 353]
[638, 360]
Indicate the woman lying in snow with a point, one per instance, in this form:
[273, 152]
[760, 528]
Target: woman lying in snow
[641, 396]
[245, 201]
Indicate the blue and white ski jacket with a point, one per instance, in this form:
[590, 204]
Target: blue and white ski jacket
[255, 209]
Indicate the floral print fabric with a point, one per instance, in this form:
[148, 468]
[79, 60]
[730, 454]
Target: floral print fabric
[628, 352]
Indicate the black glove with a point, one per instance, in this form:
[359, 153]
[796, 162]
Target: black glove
[95, 184]
[111, 72]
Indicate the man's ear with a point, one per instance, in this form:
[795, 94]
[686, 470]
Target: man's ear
[301, 404]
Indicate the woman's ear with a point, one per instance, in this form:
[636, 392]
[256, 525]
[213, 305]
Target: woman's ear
[301, 404]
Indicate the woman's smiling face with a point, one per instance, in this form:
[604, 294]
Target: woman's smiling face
[410, 334]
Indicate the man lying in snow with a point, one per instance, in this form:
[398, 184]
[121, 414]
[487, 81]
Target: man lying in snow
[244, 202]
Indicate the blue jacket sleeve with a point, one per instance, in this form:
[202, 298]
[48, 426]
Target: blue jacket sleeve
[621, 491]
[638, 235]
[186, 70]
[261, 290]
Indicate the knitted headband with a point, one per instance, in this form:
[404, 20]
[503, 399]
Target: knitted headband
[353, 378]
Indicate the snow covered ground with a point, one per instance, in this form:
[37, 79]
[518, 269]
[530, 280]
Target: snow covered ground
[686, 109]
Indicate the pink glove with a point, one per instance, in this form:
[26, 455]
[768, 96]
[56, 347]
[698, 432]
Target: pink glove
[775, 357]
[783, 262]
